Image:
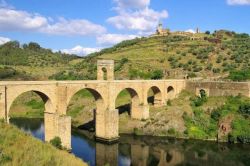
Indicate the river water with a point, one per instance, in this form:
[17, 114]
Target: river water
[147, 151]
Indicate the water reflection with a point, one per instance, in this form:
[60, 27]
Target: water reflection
[148, 151]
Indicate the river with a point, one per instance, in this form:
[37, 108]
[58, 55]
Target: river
[150, 151]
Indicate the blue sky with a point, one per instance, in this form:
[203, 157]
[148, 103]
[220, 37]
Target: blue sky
[84, 26]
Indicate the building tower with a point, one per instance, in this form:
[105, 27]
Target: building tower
[159, 29]
[105, 70]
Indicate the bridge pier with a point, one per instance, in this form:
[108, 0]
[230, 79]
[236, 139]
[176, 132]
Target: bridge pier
[140, 112]
[107, 123]
[58, 126]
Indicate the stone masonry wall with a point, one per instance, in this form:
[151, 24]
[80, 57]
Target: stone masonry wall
[219, 88]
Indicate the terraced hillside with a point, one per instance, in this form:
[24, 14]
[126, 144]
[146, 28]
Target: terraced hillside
[175, 56]
[223, 54]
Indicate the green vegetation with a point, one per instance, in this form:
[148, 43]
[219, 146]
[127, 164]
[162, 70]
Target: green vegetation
[204, 122]
[18, 148]
[199, 100]
[29, 105]
[200, 126]
[56, 142]
[221, 53]
[242, 75]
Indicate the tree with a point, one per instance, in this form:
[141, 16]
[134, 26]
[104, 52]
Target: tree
[34, 46]
[207, 32]
[12, 44]
[157, 74]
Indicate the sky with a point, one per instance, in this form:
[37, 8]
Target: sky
[85, 26]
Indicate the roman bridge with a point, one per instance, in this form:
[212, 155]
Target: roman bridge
[57, 95]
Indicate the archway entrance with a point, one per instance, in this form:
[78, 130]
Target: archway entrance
[154, 96]
[127, 103]
[84, 108]
[27, 112]
[203, 93]
[170, 93]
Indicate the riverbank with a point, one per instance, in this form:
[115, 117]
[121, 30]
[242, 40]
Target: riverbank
[18, 148]
[188, 116]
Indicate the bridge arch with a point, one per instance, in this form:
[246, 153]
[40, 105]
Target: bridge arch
[155, 96]
[135, 100]
[170, 92]
[98, 112]
[49, 106]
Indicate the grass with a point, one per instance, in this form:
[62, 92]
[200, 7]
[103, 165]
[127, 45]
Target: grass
[18, 148]
[29, 105]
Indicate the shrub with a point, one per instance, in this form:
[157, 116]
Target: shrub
[199, 100]
[216, 115]
[207, 32]
[241, 75]
[245, 108]
[56, 142]
[157, 74]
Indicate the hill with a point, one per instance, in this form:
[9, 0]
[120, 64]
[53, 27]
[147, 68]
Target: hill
[30, 61]
[223, 54]
[220, 55]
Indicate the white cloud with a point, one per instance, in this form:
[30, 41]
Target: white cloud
[142, 18]
[12, 20]
[238, 2]
[191, 31]
[111, 39]
[81, 51]
[132, 3]
[4, 40]
[17, 20]
[73, 27]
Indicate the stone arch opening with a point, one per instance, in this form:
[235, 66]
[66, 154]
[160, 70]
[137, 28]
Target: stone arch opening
[202, 93]
[27, 111]
[86, 108]
[104, 73]
[127, 101]
[154, 96]
[170, 92]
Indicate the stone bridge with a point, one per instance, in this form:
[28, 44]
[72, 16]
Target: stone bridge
[57, 95]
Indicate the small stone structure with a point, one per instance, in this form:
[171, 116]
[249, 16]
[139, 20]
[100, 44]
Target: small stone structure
[105, 68]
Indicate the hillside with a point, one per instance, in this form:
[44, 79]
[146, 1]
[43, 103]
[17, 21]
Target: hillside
[175, 56]
[18, 148]
[31, 61]
[220, 55]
